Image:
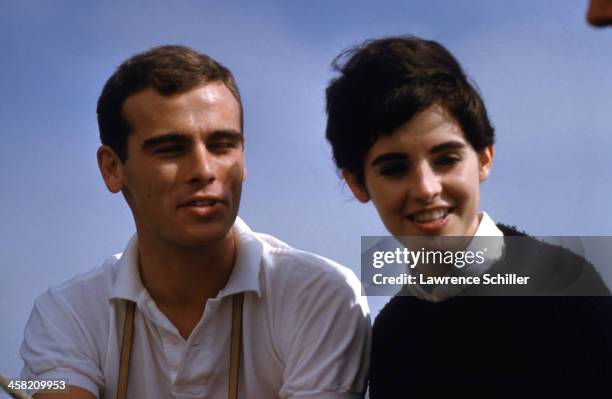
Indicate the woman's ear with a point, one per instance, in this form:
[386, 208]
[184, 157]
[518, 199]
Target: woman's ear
[485, 162]
[359, 190]
[111, 168]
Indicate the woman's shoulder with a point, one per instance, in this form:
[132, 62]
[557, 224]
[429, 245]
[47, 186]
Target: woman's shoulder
[510, 230]
[555, 267]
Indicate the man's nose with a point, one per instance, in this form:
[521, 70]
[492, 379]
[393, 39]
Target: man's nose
[201, 165]
[425, 184]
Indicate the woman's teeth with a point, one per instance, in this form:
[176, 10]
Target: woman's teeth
[424, 217]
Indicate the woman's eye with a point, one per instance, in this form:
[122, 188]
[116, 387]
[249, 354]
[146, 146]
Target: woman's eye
[168, 149]
[393, 169]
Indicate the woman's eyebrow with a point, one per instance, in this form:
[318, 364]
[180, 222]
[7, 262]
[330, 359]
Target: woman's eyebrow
[174, 138]
[400, 156]
[451, 145]
[390, 156]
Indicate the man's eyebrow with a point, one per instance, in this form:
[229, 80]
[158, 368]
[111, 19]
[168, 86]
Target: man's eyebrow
[164, 139]
[226, 134]
[451, 145]
[390, 156]
[177, 138]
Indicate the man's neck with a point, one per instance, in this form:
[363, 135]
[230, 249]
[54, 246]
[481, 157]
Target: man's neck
[181, 279]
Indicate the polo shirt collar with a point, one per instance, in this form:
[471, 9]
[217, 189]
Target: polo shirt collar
[244, 277]
[128, 284]
[249, 252]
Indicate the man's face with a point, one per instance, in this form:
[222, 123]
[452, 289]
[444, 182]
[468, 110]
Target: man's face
[424, 178]
[185, 166]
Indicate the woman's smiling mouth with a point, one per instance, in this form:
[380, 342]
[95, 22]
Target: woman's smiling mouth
[431, 221]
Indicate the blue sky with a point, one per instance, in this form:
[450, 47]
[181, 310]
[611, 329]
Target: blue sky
[543, 72]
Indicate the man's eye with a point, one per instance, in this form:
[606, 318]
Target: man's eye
[393, 169]
[223, 145]
[448, 160]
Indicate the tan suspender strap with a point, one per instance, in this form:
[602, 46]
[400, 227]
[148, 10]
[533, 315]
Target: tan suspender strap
[126, 350]
[235, 347]
[235, 344]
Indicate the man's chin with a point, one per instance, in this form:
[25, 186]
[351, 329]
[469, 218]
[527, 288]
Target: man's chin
[202, 237]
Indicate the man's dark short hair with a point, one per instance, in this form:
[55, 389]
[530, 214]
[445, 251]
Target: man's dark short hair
[383, 83]
[167, 69]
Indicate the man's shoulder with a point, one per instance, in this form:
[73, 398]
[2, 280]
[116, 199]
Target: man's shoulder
[87, 291]
[68, 329]
[281, 258]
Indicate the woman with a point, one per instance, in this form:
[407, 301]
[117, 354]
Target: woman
[410, 133]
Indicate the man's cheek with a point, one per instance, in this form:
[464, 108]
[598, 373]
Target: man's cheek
[236, 172]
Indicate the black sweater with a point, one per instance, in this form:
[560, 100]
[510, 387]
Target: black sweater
[498, 346]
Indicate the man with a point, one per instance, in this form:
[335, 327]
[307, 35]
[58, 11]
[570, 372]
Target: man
[172, 143]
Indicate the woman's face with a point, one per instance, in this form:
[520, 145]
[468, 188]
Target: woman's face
[424, 178]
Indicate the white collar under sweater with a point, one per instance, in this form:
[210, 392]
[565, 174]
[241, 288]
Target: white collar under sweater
[495, 247]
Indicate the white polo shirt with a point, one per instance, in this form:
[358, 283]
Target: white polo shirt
[306, 330]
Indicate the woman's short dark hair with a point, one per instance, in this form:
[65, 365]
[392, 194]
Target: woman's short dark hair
[383, 83]
[168, 69]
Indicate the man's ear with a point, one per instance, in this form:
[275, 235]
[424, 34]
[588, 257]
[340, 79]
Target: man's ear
[358, 189]
[111, 168]
[485, 162]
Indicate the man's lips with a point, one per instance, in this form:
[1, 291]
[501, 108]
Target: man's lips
[201, 202]
[203, 206]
